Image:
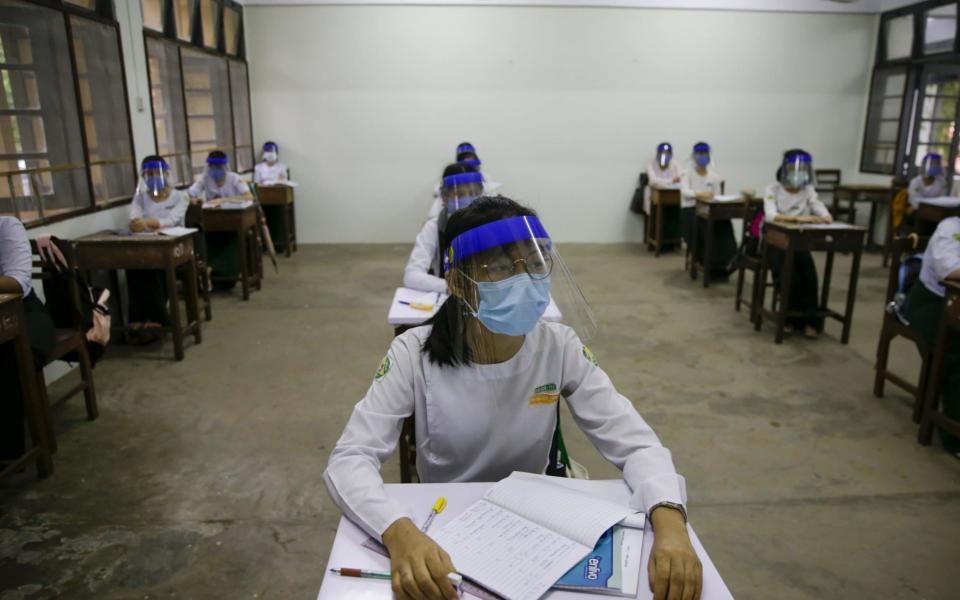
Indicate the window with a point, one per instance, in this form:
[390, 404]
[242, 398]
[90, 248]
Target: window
[940, 29]
[42, 170]
[899, 36]
[241, 115]
[883, 121]
[153, 14]
[206, 87]
[936, 126]
[231, 30]
[169, 116]
[184, 11]
[101, 84]
[210, 19]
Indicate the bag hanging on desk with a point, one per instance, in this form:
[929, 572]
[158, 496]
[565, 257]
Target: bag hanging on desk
[636, 204]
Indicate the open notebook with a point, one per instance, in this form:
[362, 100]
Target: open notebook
[526, 533]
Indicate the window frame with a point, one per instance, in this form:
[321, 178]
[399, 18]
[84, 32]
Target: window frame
[104, 14]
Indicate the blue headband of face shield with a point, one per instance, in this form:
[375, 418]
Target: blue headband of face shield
[462, 148]
[155, 164]
[216, 160]
[462, 179]
[793, 157]
[701, 148]
[270, 148]
[491, 235]
[932, 165]
[665, 147]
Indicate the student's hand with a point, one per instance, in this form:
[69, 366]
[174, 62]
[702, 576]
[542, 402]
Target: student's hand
[418, 566]
[137, 225]
[152, 224]
[784, 219]
[706, 195]
[828, 219]
[675, 571]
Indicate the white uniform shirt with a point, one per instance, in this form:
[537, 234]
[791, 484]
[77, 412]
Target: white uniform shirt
[233, 185]
[482, 422]
[692, 182]
[435, 208]
[778, 201]
[169, 212]
[942, 256]
[918, 190]
[657, 177]
[424, 256]
[264, 173]
[16, 261]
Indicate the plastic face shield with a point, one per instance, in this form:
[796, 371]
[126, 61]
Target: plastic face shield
[516, 251]
[466, 148]
[270, 152]
[664, 155]
[217, 169]
[460, 190]
[155, 179]
[471, 162]
[701, 155]
[932, 165]
[796, 171]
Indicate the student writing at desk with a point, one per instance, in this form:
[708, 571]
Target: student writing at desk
[483, 379]
[217, 183]
[793, 199]
[923, 308]
[270, 169]
[461, 186]
[156, 205]
[702, 182]
[15, 272]
[928, 183]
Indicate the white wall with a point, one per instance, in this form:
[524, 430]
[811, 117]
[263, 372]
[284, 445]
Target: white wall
[565, 105]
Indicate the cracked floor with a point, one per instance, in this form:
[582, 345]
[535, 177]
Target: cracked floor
[202, 479]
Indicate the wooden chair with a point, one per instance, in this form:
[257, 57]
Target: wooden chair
[932, 414]
[194, 219]
[892, 327]
[68, 341]
[751, 262]
[827, 181]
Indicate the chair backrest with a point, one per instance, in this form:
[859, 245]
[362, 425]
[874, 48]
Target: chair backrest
[827, 179]
[64, 280]
[901, 249]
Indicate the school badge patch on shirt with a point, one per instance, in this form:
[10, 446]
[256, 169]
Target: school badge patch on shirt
[384, 369]
[956, 236]
[587, 354]
[545, 394]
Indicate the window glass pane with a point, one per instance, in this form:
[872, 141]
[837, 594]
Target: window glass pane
[91, 4]
[231, 29]
[899, 34]
[169, 116]
[183, 13]
[41, 155]
[208, 16]
[153, 14]
[207, 90]
[883, 120]
[892, 85]
[939, 107]
[940, 29]
[240, 95]
[102, 98]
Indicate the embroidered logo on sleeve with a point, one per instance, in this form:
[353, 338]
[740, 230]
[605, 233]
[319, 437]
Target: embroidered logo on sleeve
[587, 354]
[545, 394]
[384, 369]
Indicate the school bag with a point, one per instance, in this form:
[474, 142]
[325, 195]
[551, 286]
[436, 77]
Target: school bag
[750, 244]
[636, 204]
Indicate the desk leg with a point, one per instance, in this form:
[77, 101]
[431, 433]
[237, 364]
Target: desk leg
[659, 240]
[827, 274]
[692, 248]
[786, 281]
[293, 225]
[119, 315]
[244, 258]
[873, 221]
[286, 230]
[852, 213]
[170, 271]
[760, 289]
[707, 251]
[851, 296]
[35, 409]
[192, 294]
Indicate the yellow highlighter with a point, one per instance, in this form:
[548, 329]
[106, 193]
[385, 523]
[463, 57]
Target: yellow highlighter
[438, 507]
[417, 305]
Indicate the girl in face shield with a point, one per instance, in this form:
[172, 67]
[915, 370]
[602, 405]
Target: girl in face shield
[793, 199]
[702, 182]
[219, 181]
[663, 172]
[467, 154]
[270, 169]
[460, 186]
[928, 183]
[482, 380]
[156, 204]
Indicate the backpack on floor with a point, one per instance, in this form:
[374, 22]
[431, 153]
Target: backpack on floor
[636, 204]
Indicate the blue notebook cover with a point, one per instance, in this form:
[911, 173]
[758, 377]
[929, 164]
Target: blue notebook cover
[600, 570]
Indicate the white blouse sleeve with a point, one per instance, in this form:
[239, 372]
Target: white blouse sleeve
[654, 178]
[415, 274]
[370, 437]
[770, 211]
[816, 206]
[945, 248]
[618, 431]
[136, 207]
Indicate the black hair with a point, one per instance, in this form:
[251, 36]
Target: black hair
[467, 156]
[447, 344]
[151, 158]
[217, 154]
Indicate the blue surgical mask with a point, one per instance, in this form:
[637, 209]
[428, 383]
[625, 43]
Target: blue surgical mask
[513, 306]
[934, 171]
[459, 203]
[270, 156]
[702, 160]
[217, 174]
[154, 183]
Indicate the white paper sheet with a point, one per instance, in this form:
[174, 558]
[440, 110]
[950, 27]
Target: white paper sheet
[177, 231]
[229, 205]
[726, 198]
[944, 201]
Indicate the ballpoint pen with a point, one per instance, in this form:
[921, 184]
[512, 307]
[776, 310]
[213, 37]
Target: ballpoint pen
[416, 305]
[347, 572]
[438, 507]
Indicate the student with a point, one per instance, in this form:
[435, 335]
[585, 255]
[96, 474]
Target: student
[928, 183]
[270, 170]
[467, 154]
[461, 186]
[219, 182]
[662, 172]
[467, 377]
[924, 309]
[16, 267]
[700, 181]
[793, 199]
[156, 204]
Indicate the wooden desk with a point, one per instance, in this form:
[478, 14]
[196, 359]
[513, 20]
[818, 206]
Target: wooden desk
[241, 222]
[661, 198]
[281, 197]
[791, 238]
[874, 194]
[13, 329]
[348, 551]
[931, 215]
[933, 414]
[710, 211]
[109, 251]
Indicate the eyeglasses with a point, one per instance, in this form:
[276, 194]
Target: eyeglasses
[537, 264]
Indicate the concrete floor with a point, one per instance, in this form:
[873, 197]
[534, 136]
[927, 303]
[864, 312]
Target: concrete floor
[202, 479]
